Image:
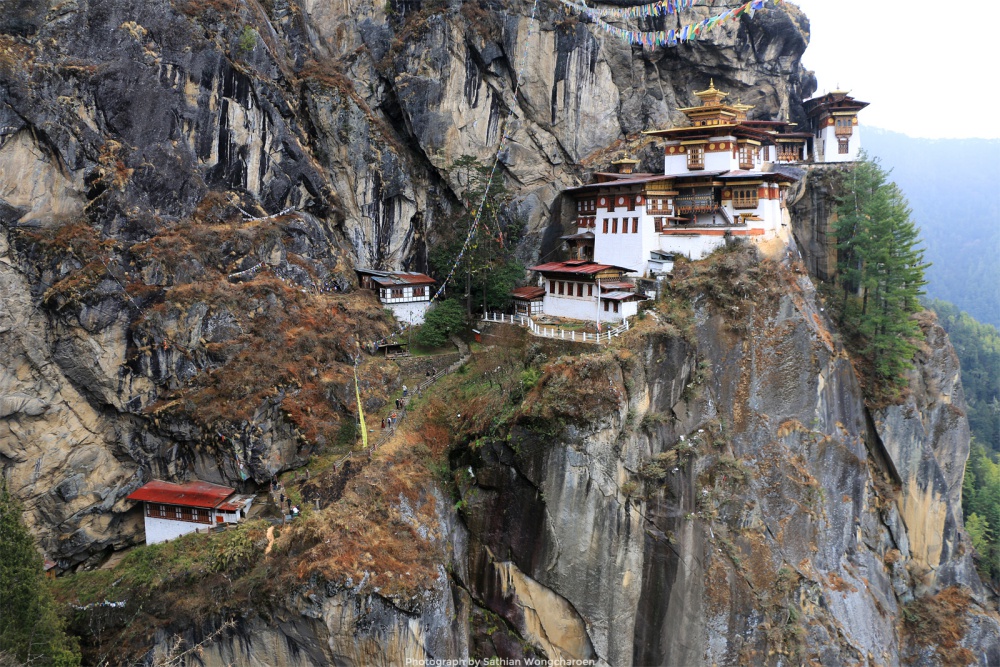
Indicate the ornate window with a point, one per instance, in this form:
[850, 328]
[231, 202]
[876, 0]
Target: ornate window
[419, 291]
[696, 157]
[397, 292]
[745, 197]
[747, 156]
[843, 145]
[845, 126]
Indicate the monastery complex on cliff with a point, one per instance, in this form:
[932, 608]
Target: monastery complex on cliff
[723, 179]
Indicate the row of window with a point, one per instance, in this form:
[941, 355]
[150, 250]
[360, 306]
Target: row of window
[397, 292]
[564, 288]
[615, 229]
[588, 207]
[614, 305]
[178, 513]
[748, 155]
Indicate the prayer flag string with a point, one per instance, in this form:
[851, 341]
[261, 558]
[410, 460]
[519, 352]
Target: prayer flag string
[660, 38]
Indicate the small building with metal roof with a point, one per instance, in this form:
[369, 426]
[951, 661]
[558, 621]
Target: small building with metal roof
[171, 510]
[585, 290]
[528, 301]
[406, 293]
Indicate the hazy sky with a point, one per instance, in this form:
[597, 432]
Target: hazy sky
[915, 61]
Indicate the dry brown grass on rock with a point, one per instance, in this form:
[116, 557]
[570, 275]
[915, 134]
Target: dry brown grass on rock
[940, 621]
[383, 530]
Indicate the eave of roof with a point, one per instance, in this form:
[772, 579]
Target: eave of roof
[622, 296]
[618, 183]
[528, 293]
[588, 268]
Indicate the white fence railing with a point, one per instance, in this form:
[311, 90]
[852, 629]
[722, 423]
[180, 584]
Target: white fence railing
[555, 332]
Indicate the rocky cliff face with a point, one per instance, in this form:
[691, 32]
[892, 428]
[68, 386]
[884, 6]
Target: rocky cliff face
[184, 190]
[143, 146]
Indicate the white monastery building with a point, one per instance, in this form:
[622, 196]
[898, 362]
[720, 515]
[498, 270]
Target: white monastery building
[172, 510]
[834, 122]
[406, 294]
[723, 179]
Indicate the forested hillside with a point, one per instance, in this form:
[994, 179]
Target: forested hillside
[951, 185]
[978, 349]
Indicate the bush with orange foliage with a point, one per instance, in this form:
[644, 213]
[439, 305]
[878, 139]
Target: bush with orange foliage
[940, 621]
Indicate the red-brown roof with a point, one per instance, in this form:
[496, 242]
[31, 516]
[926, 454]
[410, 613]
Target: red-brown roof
[192, 494]
[577, 267]
[528, 293]
[396, 278]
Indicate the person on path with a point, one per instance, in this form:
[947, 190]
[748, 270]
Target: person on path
[383, 422]
[404, 390]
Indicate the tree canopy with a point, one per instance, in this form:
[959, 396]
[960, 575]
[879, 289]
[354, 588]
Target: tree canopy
[443, 320]
[31, 632]
[488, 266]
[881, 270]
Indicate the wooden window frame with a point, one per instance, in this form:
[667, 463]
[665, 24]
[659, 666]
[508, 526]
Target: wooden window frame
[635, 225]
[843, 145]
[419, 291]
[605, 225]
[590, 290]
[579, 289]
[746, 197]
[696, 157]
[562, 288]
[552, 287]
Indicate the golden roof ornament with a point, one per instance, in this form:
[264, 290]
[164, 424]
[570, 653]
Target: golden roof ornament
[712, 96]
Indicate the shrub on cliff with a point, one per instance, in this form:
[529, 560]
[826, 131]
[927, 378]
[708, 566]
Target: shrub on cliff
[442, 321]
[30, 630]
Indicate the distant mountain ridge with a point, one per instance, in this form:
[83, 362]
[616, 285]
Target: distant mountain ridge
[951, 185]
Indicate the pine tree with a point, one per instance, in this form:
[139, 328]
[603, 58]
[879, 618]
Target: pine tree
[881, 271]
[30, 630]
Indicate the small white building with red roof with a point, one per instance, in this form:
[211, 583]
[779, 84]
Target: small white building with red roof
[172, 510]
[407, 294]
[528, 301]
[581, 289]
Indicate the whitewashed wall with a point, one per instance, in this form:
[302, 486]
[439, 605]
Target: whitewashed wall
[412, 312]
[162, 530]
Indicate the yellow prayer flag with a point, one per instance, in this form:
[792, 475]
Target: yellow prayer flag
[361, 413]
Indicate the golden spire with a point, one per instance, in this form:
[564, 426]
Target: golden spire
[711, 97]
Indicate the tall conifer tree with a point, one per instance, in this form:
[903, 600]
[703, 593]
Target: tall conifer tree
[881, 269]
[30, 631]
